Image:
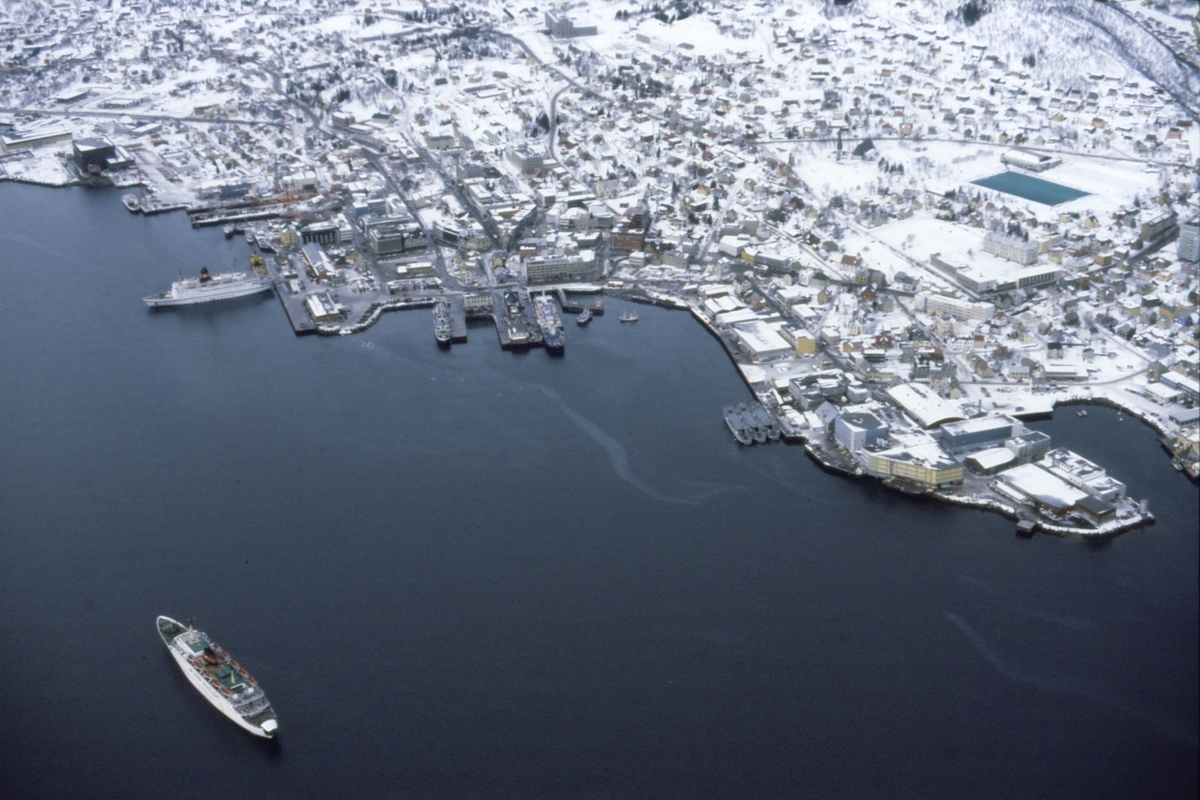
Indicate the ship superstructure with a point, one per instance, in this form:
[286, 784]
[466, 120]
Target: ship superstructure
[206, 288]
[218, 677]
[441, 323]
[550, 322]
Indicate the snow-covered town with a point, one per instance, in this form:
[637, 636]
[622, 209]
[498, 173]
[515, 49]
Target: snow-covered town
[912, 225]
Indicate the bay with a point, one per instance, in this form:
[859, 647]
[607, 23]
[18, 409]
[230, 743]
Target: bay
[475, 573]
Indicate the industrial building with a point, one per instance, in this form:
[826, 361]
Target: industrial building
[1052, 494]
[760, 339]
[97, 154]
[924, 405]
[35, 138]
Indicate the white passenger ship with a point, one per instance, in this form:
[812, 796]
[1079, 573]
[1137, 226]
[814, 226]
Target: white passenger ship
[219, 678]
[206, 288]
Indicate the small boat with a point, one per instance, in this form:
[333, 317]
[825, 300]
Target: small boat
[629, 317]
[228, 231]
[598, 308]
[1082, 413]
[584, 317]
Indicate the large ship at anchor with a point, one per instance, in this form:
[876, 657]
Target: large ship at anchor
[206, 287]
[221, 680]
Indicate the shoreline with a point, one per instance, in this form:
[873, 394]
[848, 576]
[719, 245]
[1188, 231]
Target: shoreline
[833, 466]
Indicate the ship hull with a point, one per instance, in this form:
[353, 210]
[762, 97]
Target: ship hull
[206, 295]
[215, 698]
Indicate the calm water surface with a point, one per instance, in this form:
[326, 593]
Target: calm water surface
[481, 574]
[1028, 187]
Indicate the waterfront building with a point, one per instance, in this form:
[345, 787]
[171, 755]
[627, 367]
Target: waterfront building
[1051, 493]
[927, 465]
[321, 308]
[760, 339]
[975, 434]
[95, 153]
[1083, 474]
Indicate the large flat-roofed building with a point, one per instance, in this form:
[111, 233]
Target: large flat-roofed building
[975, 434]
[544, 269]
[1083, 474]
[924, 405]
[1049, 492]
[761, 340]
[93, 153]
[981, 277]
[321, 232]
[926, 465]
[1188, 387]
[932, 303]
[22, 140]
[524, 160]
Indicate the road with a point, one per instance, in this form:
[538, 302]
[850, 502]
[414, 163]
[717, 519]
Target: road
[58, 112]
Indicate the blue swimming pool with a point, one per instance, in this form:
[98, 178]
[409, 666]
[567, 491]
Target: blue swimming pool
[1030, 188]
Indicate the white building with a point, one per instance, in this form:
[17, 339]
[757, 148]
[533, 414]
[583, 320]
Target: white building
[1012, 248]
[932, 303]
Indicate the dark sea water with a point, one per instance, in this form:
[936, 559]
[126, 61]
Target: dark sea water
[482, 574]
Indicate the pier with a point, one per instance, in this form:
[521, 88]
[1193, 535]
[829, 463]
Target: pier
[458, 318]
